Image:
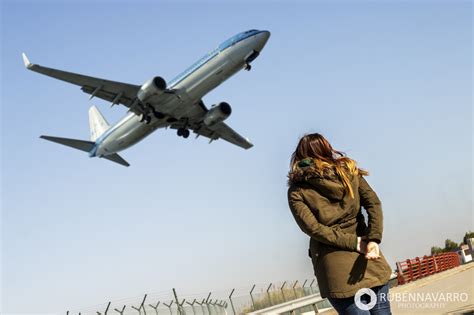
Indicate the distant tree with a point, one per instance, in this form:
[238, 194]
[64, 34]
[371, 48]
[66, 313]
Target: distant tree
[436, 250]
[450, 246]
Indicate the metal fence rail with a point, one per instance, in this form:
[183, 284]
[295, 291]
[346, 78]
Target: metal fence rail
[313, 301]
[416, 268]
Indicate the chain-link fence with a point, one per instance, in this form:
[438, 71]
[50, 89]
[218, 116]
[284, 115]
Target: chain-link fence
[234, 301]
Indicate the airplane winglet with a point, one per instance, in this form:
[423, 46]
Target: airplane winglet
[26, 61]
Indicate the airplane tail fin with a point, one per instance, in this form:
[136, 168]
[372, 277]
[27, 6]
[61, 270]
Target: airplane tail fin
[85, 146]
[97, 123]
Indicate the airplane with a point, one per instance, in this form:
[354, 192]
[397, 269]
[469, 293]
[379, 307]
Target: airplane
[157, 104]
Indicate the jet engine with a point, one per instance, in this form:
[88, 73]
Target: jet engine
[217, 114]
[154, 86]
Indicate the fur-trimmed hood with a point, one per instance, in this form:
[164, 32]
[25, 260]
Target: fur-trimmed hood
[326, 182]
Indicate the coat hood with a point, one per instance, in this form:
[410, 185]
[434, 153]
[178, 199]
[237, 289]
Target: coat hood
[326, 182]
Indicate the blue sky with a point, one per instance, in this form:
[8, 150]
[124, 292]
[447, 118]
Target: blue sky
[387, 82]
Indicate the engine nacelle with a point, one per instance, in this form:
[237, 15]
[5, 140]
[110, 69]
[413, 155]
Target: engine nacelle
[217, 114]
[155, 86]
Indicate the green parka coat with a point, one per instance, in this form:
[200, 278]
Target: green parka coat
[333, 220]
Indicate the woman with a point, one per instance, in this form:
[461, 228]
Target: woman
[325, 196]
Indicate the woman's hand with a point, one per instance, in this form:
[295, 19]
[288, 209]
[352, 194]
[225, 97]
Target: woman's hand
[372, 250]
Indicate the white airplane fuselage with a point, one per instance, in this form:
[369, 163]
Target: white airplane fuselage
[198, 80]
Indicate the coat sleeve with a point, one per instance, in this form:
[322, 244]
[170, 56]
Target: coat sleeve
[373, 206]
[308, 223]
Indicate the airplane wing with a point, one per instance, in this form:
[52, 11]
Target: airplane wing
[218, 131]
[223, 131]
[116, 92]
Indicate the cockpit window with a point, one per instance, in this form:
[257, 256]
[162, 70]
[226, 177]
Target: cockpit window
[237, 38]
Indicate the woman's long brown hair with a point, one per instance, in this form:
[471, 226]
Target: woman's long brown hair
[314, 146]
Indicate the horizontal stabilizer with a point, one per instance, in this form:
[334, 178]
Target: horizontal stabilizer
[82, 145]
[117, 159]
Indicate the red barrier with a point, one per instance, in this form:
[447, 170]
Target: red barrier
[413, 269]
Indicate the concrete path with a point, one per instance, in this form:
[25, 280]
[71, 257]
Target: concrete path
[448, 292]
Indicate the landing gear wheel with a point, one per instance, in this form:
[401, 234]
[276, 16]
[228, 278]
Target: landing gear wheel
[186, 133]
[148, 120]
[248, 67]
[180, 132]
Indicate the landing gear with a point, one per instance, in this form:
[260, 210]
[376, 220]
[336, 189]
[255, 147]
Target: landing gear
[249, 58]
[183, 132]
[145, 118]
[186, 133]
[148, 112]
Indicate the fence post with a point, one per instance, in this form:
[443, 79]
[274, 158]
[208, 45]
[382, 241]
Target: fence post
[401, 277]
[207, 303]
[283, 292]
[410, 270]
[251, 298]
[430, 265]
[435, 261]
[311, 286]
[142, 306]
[106, 310]
[270, 302]
[180, 306]
[303, 286]
[418, 262]
[139, 308]
[294, 289]
[231, 302]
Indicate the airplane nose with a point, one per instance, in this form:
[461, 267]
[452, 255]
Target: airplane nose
[262, 39]
[266, 35]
